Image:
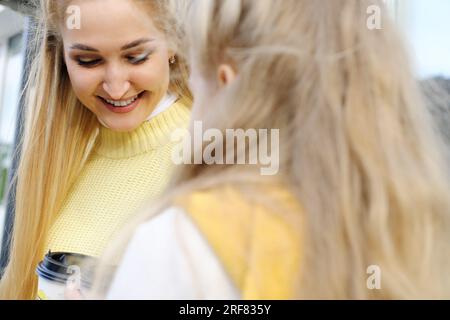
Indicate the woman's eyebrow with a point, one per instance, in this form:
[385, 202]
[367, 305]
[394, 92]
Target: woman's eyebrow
[83, 47]
[78, 46]
[136, 43]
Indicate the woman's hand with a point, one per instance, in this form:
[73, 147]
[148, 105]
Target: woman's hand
[73, 291]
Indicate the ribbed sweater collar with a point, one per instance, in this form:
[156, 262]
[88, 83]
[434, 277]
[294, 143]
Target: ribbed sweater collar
[151, 135]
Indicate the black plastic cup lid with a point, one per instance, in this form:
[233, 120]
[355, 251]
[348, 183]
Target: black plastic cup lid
[56, 267]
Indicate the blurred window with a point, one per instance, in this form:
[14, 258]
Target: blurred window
[11, 71]
[426, 26]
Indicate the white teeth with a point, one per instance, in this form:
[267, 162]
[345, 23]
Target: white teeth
[123, 103]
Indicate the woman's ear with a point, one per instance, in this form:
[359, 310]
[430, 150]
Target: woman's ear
[171, 54]
[225, 75]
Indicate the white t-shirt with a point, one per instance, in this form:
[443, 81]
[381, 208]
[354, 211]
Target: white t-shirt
[163, 105]
[168, 258]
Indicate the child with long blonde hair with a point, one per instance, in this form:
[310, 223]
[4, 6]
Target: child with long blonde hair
[362, 189]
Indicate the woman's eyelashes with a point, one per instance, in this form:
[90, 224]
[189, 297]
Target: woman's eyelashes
[133, 59]
[140, 58]
[85, 62]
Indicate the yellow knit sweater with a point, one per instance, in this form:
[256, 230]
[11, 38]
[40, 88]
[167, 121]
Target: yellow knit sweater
[124, 170]
[259, 244]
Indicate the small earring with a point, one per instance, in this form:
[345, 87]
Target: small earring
[172, 60]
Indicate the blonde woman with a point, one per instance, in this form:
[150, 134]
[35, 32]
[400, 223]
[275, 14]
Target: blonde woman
[106, 90]
[360, 207]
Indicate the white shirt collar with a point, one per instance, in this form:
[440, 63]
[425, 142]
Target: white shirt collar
[163, 105]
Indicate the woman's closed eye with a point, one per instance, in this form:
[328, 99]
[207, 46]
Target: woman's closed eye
[140, 58]
[88, 62]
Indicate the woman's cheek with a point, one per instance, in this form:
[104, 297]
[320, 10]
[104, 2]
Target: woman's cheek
[84, 83]
[85, 90]
[151, 78]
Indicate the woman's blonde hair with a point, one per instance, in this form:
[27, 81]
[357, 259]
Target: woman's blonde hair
[59, 133]
[357, 149]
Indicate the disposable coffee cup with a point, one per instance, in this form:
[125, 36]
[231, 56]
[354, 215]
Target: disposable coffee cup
[58, 268]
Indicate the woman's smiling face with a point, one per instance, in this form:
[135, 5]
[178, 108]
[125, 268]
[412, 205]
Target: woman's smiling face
[117, 61]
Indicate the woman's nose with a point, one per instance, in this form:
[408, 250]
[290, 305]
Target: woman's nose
[116, 82]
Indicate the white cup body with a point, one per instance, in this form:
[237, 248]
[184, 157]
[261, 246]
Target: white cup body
[50, 290]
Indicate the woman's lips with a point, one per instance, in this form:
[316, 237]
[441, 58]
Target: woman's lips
[123, 109]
